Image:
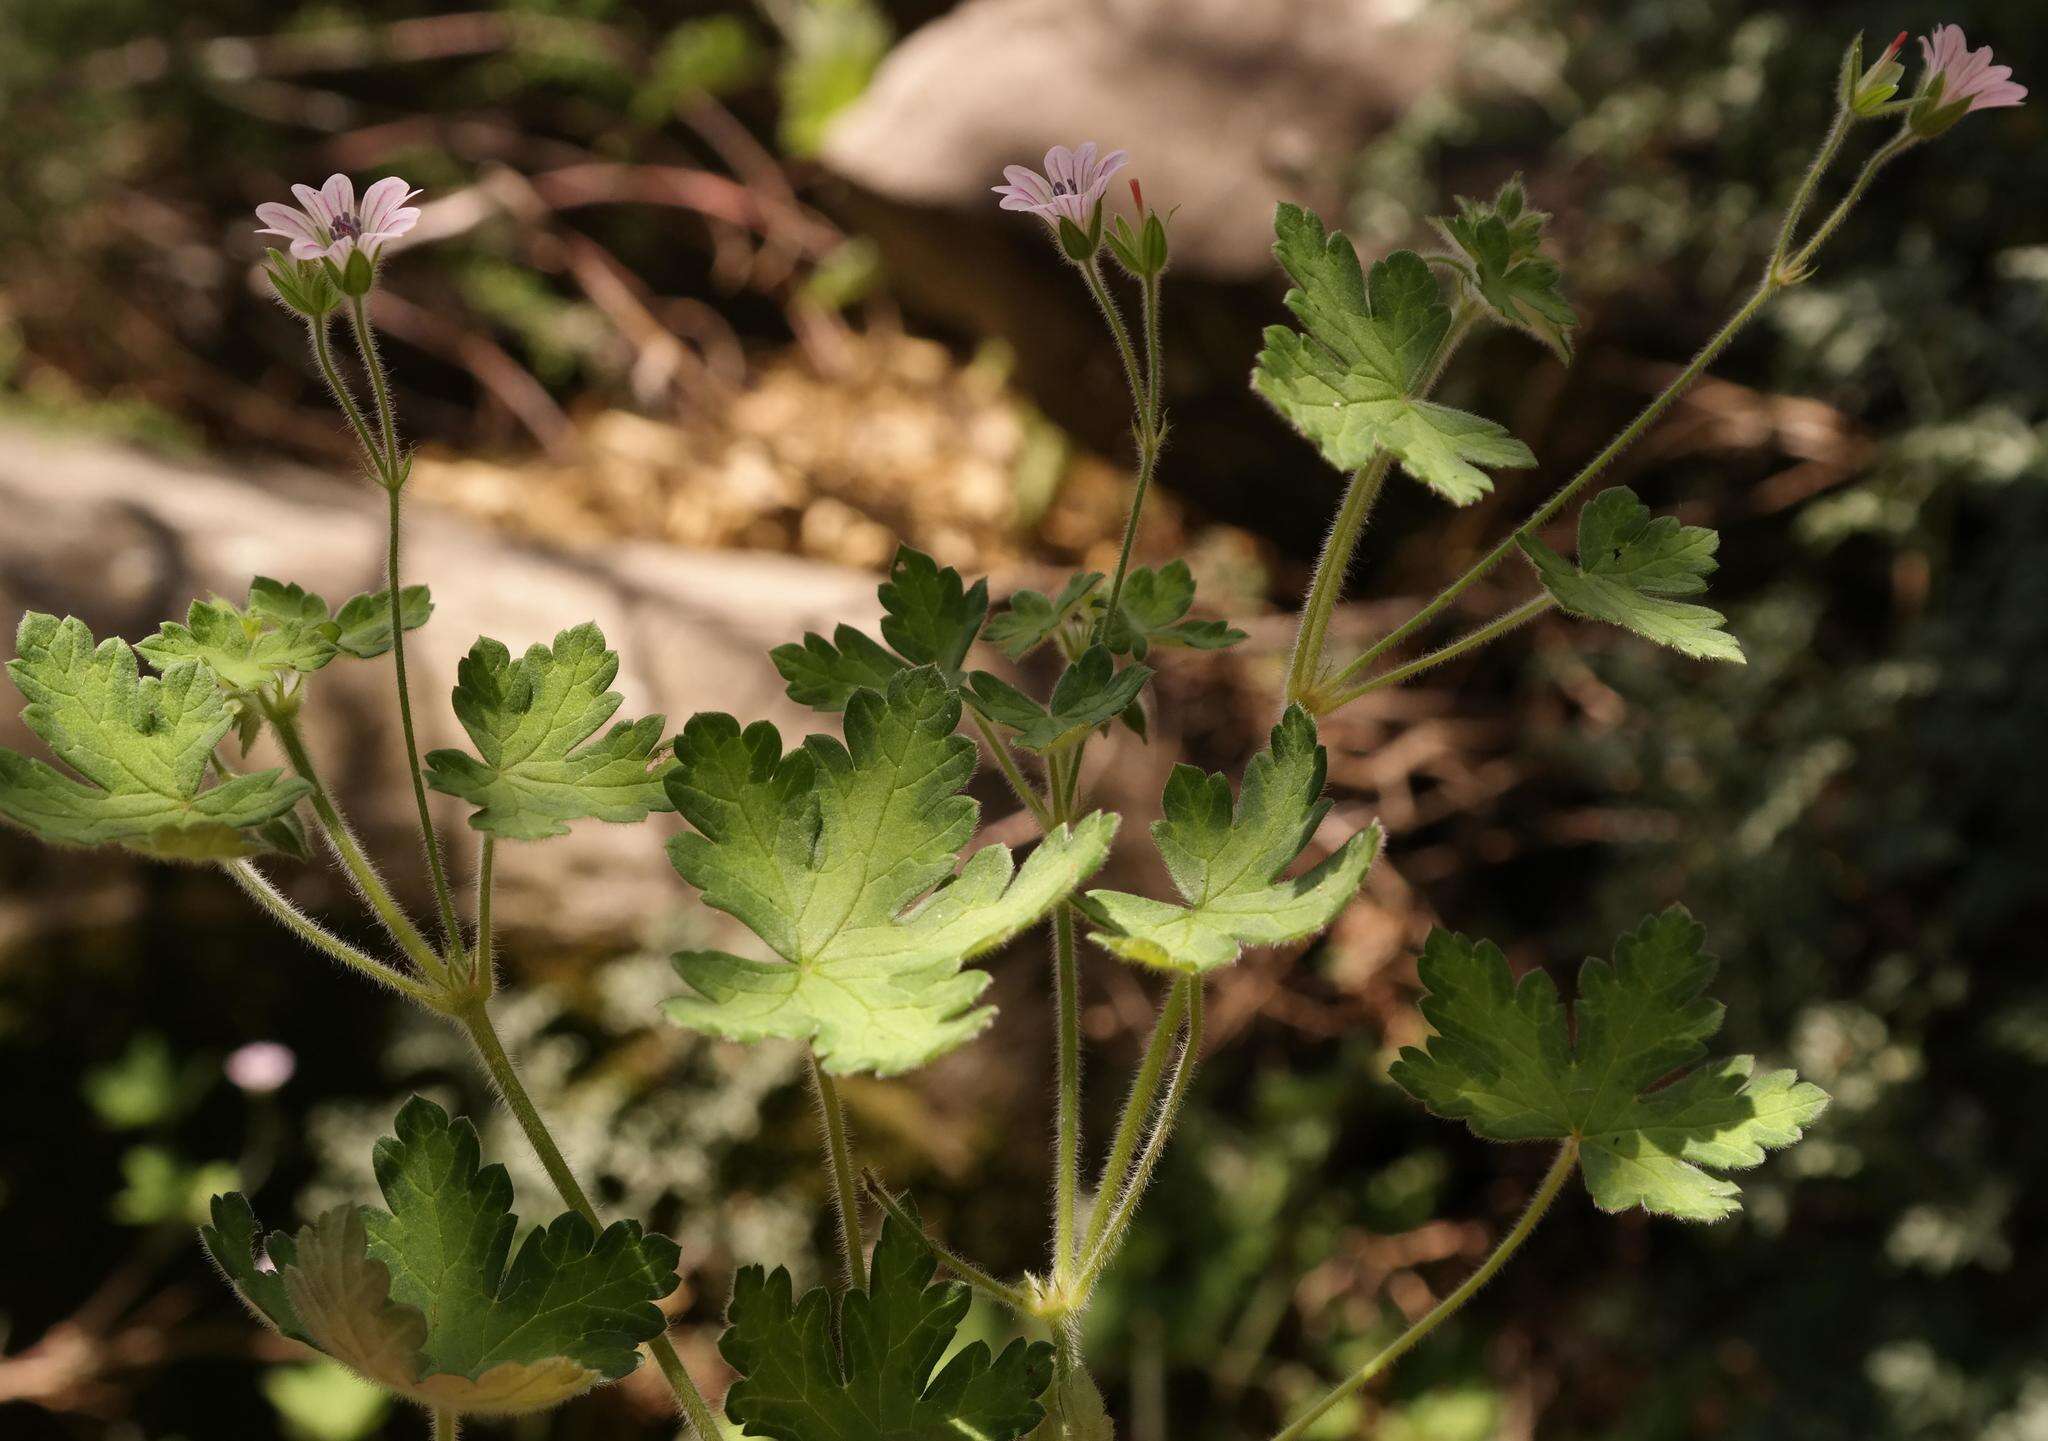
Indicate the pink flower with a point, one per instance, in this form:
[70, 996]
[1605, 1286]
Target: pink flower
[331, 225]
[1070, 189]
[260, 1067]
[1967, 77]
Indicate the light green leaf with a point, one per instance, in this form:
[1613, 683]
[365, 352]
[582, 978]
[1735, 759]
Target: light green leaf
[841, 859]
[323, 1401]
[1510, 1062]
[1230, 866]
[1629, 564]
[1352, 380]
[530, 720]
[1503, 239]
[421, 1299]
[1033, 618]
[930, 616]
[875, 1383]
[284, 631]
[143, 746]
[1089, 693]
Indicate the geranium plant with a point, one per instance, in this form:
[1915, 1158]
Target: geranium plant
[848, 853]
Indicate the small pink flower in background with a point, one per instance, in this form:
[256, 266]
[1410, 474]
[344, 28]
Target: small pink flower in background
[260, 1067]
[331, 224]
[1968, 78]
[1073, 183]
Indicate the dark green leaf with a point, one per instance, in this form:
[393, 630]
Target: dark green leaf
[1089, 693]
[875, 1382]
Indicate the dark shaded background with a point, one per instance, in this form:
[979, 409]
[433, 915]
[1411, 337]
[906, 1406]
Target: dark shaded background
[1857, 815]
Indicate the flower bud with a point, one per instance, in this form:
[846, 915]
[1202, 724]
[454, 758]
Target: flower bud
[1868, 94]
[302, 285]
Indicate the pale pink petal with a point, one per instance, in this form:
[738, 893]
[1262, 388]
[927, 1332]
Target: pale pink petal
[380, 200]
[1059, 167]
[315, 205]
[1084, 165]
[340, 194]
[399, 221]
[307, 250]
[285, 221]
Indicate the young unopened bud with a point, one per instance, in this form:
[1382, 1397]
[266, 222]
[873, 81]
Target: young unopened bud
[1141, 249]
[1870, 92]
[302, 285]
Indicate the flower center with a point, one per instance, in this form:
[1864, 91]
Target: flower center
[347, 227]
[1065, 187]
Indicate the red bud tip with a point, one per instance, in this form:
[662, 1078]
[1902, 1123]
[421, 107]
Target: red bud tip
[1137, 197]
[1897, 45]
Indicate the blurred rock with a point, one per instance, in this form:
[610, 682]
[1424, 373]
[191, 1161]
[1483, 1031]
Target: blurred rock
[1227, 106]
[124, 540]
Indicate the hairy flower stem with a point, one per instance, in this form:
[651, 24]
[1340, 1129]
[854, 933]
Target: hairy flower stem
[323, 356]
[1125, 1207]
[1803, 196]
[475, 1019]
[280, 907]
[1333, 566]
[966, 1270]
[1494, 629]
[1146, 426]
[1137, 1111]
[369, 884]
[839, 1162]
[447, 1426]
[1546, 1193]
[451, 928]
[1780, 274]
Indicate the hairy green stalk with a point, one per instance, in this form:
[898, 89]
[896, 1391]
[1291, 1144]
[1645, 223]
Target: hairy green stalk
[839, 1163]
[966, 1270]
[1494, 629]
[447, 1426]
[1125, 1207]
[1553, 1182]
[281, 909]
[361, 870]
[1137, 1111]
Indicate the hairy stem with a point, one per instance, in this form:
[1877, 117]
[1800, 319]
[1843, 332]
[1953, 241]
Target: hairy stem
[839, 1161]
[386, 455]
[1494, 629]
[280, 907]
[1333, 566]
[1327, 584]
[483, 962]
[1137, 1111]
[1633, 432]
[1803, 196]
[1553, 1182]
[1892, 150]
[1007, 761]
[323, 356]
[966, 1270]
[447, 1426]
[1125, 1207]
[451, 928]
[475, 1020]
[1067, 1137]
[1144, 386]
[369, 884]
